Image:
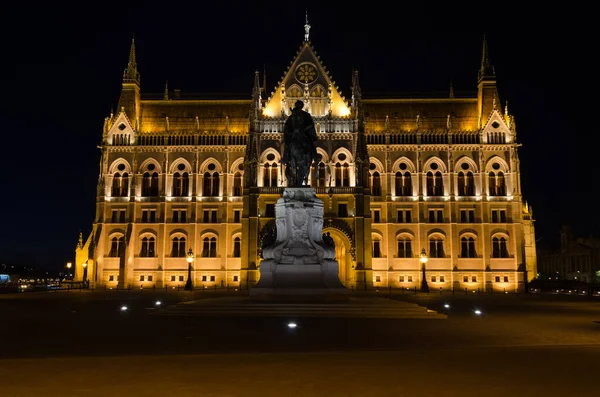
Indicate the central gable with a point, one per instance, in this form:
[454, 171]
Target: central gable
[306, 79]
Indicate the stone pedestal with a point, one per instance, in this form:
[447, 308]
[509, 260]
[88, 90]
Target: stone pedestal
[299, 265]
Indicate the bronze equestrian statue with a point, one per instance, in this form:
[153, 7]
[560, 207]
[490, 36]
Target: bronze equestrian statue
[299, 137]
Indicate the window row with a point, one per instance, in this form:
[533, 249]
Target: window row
[436, 248]
[434, 184]
[172, 278]
[178, 247]
[178, 215]
[436, 215]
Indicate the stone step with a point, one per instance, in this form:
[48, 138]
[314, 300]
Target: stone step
[359, 308]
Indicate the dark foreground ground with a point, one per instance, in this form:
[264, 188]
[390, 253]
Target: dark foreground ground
[83, 344]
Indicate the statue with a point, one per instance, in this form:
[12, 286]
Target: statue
[299, 136]
[327, 239]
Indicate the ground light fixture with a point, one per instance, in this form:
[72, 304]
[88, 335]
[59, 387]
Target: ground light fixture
[477, 312]
[158, 303]
[292, 325]
[124, 308]
[447, 306]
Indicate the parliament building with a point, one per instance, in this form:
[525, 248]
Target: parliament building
[400, 177]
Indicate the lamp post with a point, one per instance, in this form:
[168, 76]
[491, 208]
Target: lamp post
[69, 264]
[84, 265]
[190, 258]
[423, 259]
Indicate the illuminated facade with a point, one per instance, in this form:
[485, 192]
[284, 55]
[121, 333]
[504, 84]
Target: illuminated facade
[397, 175]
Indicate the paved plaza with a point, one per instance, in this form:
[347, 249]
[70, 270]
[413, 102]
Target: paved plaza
[206, 344]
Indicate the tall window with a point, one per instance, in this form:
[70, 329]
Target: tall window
[150, 184]
[435, 184]
[120, 185]
[117, 245]
[466, 184]
[467, 247]
[147, 247]
[237, 247]
[496, 183]
[209, 247]
[237, 184]
[403, 184]
[178, 248]
[436, 247]
[499, 249]
[376, 247]
[341, 175]
[181, 183]
[404, 247]
[375, 184]
[321, 180]
[210, 184]
[270, 175]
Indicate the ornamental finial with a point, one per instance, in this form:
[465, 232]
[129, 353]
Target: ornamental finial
[306, 28]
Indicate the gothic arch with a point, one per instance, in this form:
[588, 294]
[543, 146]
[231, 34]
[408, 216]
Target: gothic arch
[410, 166]
[496, 159]
[378, 165]
[436, 160]
[209, 161]
[349, 158]
[236, 164]
[324, 155]
[187, 167]
[469, 161]
[115, 164]
[405, 233]
[315, 91]
[151, 160]
[266, 152]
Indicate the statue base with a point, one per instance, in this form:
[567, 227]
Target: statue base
[299, 266]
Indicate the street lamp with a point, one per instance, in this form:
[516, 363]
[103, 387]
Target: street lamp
[190, 258]
[423, 259]
[84, 272]
[69, 264]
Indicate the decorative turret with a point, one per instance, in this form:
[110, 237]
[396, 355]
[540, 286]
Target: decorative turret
[130, 92]
[356, 97]
[256, 107]
[487, 91]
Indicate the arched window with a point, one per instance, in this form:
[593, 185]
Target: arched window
[499, 248]
[375, 184]
[470, 184]
[321, 182]
[120, 185]
[209, 247]
[216, 181]
[376, 247]
[467, 247]
[150, 184]
[117, 246]
[237, 184]
[403, 184]
[404, 247]
[461, 191]
[270, 175]
[237, 247]
[430, 184]
[181, 182]
[178, 248]
[500, 185]
[439, 184]
[147, 247]
[436, 247]
[341, 175]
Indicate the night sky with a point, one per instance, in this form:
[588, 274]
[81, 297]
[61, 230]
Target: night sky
[62, 75]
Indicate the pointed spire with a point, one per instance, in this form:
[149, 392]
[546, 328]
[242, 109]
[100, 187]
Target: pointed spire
[166, 96]
[80, 241]
[451, 90]
[264, 86]
[306, 28]
[256, 89]
[131, 75]
[486, 70]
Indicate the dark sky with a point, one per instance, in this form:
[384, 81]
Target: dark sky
[62, 73]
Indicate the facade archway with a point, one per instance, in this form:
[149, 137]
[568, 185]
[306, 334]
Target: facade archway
[343, 256]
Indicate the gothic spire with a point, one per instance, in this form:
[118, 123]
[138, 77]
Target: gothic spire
[486, 70]
[166, 94]
[451, 90]
[306, 28]
[131, 75]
